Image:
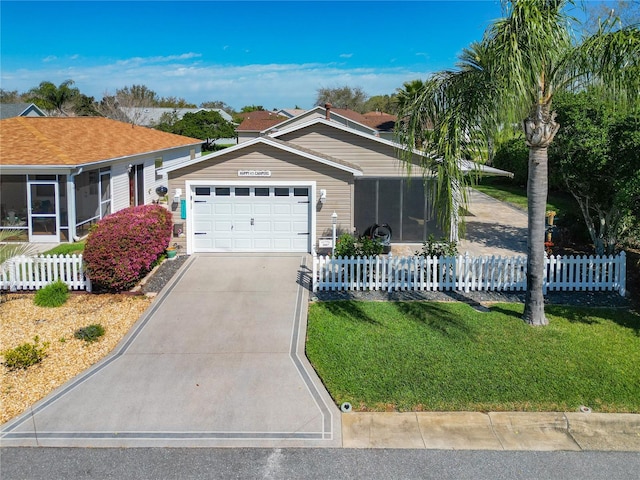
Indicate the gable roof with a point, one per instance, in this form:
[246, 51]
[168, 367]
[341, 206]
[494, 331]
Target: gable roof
[384, 122]
[72, 141]
[465, 165]
[9, 110]
[344, 116]
[259, 120]
[279, 144]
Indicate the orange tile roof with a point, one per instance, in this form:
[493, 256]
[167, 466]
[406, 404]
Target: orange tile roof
[71, 141]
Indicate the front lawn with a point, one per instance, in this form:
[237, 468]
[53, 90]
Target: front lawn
[516, 195]
[448, 356]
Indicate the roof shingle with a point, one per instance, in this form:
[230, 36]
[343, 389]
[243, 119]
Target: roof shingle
[73, 141]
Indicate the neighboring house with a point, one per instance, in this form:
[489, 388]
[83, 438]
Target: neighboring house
[152, 116]
[383, 122]
[9, 110]
[278, 191]
[59, 175]
[268, 124]
[256, 123]
[290, 112]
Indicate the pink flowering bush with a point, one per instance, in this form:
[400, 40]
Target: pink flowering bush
[125, 245]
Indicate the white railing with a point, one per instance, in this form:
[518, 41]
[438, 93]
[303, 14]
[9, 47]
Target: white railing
[466, 273]
[33, 273]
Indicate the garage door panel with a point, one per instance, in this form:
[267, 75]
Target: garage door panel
[202, 209]
[222, 208]
[245, 219]
[261, 225]
[280, 227]
[300, 227]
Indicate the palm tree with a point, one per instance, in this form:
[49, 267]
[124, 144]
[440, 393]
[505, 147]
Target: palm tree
[52, 98]
[510, 77]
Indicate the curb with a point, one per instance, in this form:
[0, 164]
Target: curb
[507, 431]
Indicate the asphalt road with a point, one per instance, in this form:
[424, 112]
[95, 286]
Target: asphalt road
[253, 463]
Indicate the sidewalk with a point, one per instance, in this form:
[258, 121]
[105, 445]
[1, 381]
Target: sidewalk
[493, 431]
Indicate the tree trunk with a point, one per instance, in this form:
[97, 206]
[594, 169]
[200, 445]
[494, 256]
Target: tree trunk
[540, 128]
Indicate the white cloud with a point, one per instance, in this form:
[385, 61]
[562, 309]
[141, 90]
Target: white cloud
[346, 55]
[269, 85]
[50, 58]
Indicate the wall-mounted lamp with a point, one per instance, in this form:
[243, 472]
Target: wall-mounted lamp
[129, 168]
[323, 195]
[177, 195]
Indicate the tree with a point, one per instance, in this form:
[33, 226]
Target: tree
[352, 98]
[252, 108]
[128, 103]
[56, 100]
[85, 106]
[217, 104]
[207, 125]
[628, 11]
[174, 102]
[381, 103]
[598, 152]
[9, 96]
[512, 76]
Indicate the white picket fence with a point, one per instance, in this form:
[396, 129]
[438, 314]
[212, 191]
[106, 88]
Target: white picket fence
[467, 273]
[33, 273]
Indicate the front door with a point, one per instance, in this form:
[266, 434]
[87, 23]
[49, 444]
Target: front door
[44, 212]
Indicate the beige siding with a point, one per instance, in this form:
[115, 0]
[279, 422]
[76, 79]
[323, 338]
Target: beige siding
[285, 167]
[374, 158]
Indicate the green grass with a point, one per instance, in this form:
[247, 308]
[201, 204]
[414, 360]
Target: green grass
[448, 356]
[67, 249]
[516, 195]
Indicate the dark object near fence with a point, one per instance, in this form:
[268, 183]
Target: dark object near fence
[381, 233]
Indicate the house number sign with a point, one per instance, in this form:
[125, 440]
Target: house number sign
[254, 173]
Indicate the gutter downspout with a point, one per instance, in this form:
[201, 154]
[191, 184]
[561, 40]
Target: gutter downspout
[71, 205]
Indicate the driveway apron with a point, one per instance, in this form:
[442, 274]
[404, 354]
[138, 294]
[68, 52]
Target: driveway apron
[217, 360]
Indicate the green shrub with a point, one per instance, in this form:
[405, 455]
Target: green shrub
[440, 248]
[25, 355]
[90, 334]
[53, 295]
[349, 246]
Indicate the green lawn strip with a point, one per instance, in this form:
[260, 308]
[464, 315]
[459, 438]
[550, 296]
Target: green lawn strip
[447, 356]
[67, 249]
[516, 195]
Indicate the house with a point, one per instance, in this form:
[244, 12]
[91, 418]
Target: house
[60, 175]
[9, 110]
[152, 116]
[283, 189]
[269, 122]
[256, 123]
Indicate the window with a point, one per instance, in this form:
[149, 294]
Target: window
[300, 192]
[261, 192]
[402, 204]
[242, 192]
[205, 191]
[223, 191]
[281, 192]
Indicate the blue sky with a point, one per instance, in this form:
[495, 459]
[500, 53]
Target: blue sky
[275, 54]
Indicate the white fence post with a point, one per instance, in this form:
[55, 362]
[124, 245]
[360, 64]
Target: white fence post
[461, 273]
[33, 273]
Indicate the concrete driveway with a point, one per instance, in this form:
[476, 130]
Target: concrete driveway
[217, 360]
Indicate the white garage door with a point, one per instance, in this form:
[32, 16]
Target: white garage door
[250, 219]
